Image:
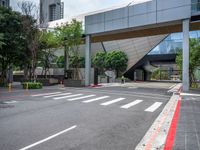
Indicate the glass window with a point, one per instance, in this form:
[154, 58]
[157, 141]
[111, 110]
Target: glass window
[52, 12]
[62, 10]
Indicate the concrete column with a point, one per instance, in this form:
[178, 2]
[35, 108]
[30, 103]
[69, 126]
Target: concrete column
[185, 72]
[87, 60]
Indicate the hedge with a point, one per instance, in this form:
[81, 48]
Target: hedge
[32, 85]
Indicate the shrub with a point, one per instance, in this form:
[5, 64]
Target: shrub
[32, 85]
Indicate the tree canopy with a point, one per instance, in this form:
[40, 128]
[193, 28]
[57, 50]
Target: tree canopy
[194, 61]
[114, 60]
[99, 60]
[12, 39]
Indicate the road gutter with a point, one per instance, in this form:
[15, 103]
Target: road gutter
[156, 136]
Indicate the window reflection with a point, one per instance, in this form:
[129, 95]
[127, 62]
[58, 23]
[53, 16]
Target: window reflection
[172, 43]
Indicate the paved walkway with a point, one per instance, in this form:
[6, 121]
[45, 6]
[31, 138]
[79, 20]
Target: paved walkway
[188, 128]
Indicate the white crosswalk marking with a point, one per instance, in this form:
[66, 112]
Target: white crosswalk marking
[153, 107]
[131, 104]
[56, 98]
[95, 99]
[78, 98]
[57, 95]
[112, 101]
[44, 94]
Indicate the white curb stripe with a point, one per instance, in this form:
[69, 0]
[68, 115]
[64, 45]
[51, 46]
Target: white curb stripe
[78, 98]
[67, 96]
[112, 101]
[131, 104]
[48, 138]
[95, 99]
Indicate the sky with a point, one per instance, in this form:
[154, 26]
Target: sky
[76, 7]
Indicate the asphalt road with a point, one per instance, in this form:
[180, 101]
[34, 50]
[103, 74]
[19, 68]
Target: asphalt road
[112, 118]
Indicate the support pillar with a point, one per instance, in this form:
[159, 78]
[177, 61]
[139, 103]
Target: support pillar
[87, 60]
[185, 68]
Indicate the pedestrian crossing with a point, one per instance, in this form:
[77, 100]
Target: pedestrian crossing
[131, 104]
[124, 103]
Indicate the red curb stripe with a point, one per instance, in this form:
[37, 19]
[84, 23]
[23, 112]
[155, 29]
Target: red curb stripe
[172, 130]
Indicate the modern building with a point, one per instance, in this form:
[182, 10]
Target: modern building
[5, 3]
[51, 10]
[152, 17]
[141, 29]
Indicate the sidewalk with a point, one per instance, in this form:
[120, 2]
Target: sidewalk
[188, 128]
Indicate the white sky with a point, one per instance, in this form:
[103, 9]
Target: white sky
[77, 7]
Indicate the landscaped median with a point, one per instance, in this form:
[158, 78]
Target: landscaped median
[32, 85]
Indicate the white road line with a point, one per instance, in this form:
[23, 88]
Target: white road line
[95, 99]
[67, 96]
[189, 94]
[153, 107]
[112, 101]
[57, 95]
[44, 94]
[131, 104]
[172, 86]
[78, 98]
[48, 138]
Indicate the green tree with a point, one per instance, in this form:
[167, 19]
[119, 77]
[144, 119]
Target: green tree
[70, 37]
[60, 62]
[116, 60]
[1, 40]
[194, 61]
[12, 50]
[48, 43]
[99, 61]
[31, 36]
[77, 62]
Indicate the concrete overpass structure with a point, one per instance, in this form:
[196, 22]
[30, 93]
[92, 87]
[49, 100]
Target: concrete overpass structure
[149, 18]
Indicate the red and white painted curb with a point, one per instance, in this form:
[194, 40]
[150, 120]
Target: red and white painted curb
[161, 134]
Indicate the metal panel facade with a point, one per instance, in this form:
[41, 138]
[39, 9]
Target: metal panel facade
[148, 13]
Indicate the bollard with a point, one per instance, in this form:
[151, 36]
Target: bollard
[10, 87]
[26, 86]
[61, 84]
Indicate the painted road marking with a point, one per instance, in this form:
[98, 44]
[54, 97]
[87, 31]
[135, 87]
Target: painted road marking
[112, 101]
[9, 102]
[153, 107]
[172, 86]
[67, 96]
[44, 94]
[78, 98]
[57, 95]
[131, 104]
[48, 138]
[189, 94]
[95, 99]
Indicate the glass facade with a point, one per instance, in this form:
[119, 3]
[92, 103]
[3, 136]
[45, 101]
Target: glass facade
[173, 42]
[52, 12]
[195, 7]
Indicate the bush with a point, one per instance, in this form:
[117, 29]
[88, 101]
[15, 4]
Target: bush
[32, 85]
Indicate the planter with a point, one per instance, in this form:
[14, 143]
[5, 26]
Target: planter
[73, 83]
[32, 85]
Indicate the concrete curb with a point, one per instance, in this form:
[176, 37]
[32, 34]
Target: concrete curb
[155, 137]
